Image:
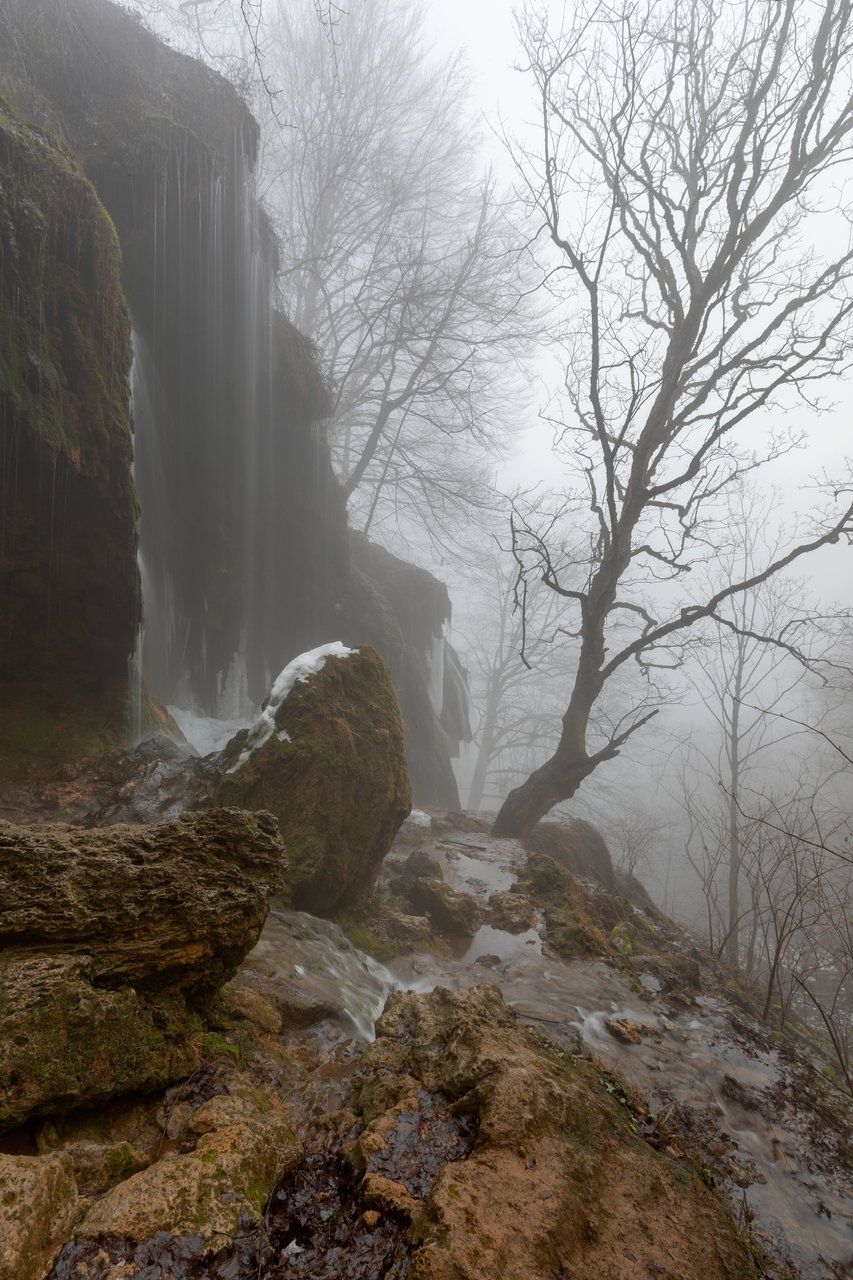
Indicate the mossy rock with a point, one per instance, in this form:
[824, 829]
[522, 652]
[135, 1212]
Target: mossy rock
[578, 847]
[574, 925]
[334, 774]
[70, 598]
[66, 1043]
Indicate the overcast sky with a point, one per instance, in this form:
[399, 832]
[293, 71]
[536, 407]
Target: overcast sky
[484, 30]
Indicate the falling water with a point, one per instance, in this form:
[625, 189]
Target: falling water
[206, 449]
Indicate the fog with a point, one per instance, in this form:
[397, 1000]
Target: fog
[426, 639]
[496, 434]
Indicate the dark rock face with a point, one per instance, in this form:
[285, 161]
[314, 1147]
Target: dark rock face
[401, 610]
[243, 526]
[243, 530]
[333, 771]
[108, 940]
[69, 588]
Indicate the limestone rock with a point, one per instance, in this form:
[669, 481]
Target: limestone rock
[38, 1200]
[578, 847]
[451, 912]
[70, 604]
[558, 1180]
[245, 1143]
[333, 771]
[112, 936]
[512, 911]
[65, 1042]
[176, 904]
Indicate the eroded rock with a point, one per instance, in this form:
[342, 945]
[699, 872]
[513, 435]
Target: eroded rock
[178, 903]
[452, 913]
[112, 938]
[244, 1143]
[38, 1200]
[558, 1182]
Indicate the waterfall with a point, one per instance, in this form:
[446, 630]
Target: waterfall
[206, 450]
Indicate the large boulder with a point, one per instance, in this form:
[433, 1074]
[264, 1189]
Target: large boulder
[327, 758]
[110, 942]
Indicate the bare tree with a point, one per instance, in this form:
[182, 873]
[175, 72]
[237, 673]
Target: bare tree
[398, 259]
[681, 175]
[745, 680]
[633, 836]
[517, 698]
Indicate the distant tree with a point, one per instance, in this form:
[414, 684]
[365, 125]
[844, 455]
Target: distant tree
[633, 836]
[398, 259]
[764, 642]
[514, 660]
[681, 176]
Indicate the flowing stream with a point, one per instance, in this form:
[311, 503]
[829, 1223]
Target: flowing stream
[693, 1059]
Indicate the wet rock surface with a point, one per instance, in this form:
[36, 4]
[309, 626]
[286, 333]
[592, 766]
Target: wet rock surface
[178, 903]
[333, 771]
[110, 939]
[489, 1132]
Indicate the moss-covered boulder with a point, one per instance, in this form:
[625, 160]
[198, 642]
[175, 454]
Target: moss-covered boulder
[327, 758]
[576, 922]
[111, 942]
[578, 847]
[69, 584]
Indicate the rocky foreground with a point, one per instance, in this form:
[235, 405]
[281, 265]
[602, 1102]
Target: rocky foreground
[497, 1060]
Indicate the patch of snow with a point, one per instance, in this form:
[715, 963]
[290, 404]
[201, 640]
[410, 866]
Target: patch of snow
[417, 818]
[301, 668]
[205, 733]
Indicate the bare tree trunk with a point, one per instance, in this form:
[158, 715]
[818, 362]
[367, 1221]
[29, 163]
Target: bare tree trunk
[733, 944]
[487, 746]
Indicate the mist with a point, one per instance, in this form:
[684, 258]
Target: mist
[426, 639]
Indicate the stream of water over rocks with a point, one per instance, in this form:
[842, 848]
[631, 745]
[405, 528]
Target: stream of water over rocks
[707, 1066]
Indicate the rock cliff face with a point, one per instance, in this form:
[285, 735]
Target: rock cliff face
[402, 611]
[245, 555]
[69, 592]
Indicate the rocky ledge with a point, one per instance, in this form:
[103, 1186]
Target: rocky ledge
[111, 941]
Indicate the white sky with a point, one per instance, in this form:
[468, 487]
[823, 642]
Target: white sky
[484, 31]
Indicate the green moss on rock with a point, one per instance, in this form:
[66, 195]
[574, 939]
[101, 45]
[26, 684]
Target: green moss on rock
[334, 774]
[69, 585]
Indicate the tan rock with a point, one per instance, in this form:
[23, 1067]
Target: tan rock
[387, 1195]
[246, 1143]
[558, 1180]
[38, 1200]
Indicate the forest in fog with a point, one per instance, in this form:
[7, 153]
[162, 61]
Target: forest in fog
[634, 292]
[426, 509]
